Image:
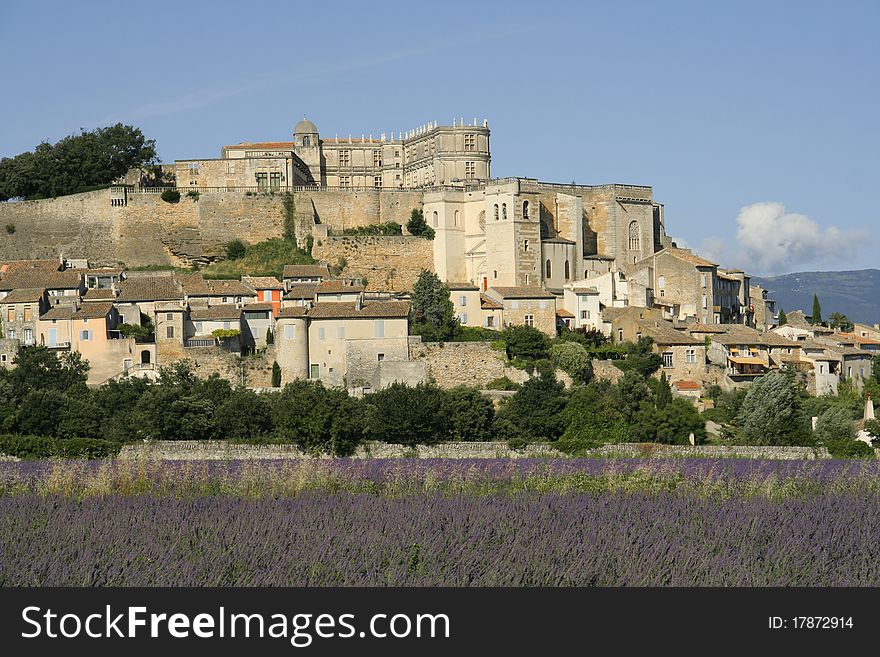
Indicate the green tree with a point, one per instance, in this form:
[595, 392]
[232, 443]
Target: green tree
[783, 320]
[834, 424]
[245, 415]
[39, 368]
[640, 357]
[525, 342]
[632, 391]
[270, 336]
[409, 415]
[592, 418]
[318, 419]
[875, 369]
[418, 226]
[470, 415]
[677, 420]
[433, 315]
[235, 249]
[841, 321]
[76, 163]
[816, 317]
[276, 375]
[572, 358]
[771, 413]
[661, 390]
[533, 413]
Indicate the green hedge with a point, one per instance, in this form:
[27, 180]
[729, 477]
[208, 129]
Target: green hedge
[44, 447]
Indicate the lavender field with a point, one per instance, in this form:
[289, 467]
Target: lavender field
[566, 522]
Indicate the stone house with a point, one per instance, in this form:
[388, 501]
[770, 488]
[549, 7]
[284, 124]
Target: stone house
[62, 286]
[732, 300]
[582, 301]
[361, 345]
[203, 292]
[491, 312]
[257, 321]
[743, 353]
[466, 303]
[765, 314]
[90, 329]
[526, 306]
[103, 278]
[337, 291]
[204, 321]
[268, 288]
[139, 295]
[21, 309]
[684, 356]
[299, 274]
[8, 350]
[872, 332]
[683, 279]
[300, 295]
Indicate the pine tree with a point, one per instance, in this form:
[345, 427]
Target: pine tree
[817, 311]
[418, 226]
[783, 320]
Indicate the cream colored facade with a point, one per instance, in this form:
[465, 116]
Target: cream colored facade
[466, 304]
[582, 300]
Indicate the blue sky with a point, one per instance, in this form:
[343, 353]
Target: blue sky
[755, 122]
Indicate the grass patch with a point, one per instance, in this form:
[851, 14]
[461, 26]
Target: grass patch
[262, 259]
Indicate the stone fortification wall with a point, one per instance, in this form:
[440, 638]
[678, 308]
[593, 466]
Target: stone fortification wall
[218, 450]
[388, 263]
[150, 231]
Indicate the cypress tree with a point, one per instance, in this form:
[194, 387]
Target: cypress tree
[817, 311]
[782, 318]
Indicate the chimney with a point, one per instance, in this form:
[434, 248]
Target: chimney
[359, 302]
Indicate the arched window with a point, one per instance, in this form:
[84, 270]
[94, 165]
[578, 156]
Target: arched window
[496, 212]
[634, 236]
[567, 271]
[456, 218]
[307, 141]
[547, 269]
[504, 211]
[525, 209]
[436, 219]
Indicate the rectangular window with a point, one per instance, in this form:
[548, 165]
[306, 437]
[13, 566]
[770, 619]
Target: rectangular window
[275, 180]
[340, 332]
[377, 158]
[10, 314]
[193, 169]
[344, 158]
[667, 359]
[463, 318]
[377, 181]
[380, 328]
[490, 322]
[470, 170]
[345, 181]
[705, 302]
[29, 336]
[529, 320]
[702, 280]
[262, 180]
[169, 316]
[2, 358]
[462, 300]
[11, 335]
[289, 331]
[690, 355]
[585, 314]
[126, 364]
[84, 335]
[169, 332]
[470, 142]
[321, 333]
[314, 371]
[27, 313]
[525, 245]
[230, 167]
[380, 357]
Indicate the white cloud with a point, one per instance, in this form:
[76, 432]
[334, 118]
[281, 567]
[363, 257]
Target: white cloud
[770, 240]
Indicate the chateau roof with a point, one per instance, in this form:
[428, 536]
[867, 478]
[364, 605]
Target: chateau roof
[305, 127]
[149, 288]
[522, 292]
[262, 282]
[223, 311]
[306, 271]
[24, 295]
[263, 145]
[682, 254]
[369, 309]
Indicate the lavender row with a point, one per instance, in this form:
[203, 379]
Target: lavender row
[365, 540]
[283, 478]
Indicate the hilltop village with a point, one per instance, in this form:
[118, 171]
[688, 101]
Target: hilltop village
[114, 274]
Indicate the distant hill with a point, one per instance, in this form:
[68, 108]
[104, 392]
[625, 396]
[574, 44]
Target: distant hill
[856, 294]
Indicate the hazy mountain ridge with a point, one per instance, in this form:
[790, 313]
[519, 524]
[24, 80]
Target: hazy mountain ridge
[854, 293]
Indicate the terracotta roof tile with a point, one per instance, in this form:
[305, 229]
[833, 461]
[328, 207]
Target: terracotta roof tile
[304, 291]
[24, 295]
[377, 309]
[523, 293]
[36, 277]
[306, 271]
[221, 312]
[149, 288]
[99, 294]
[687, 385]
[262, 282]
[255, 307]
[292, 311]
